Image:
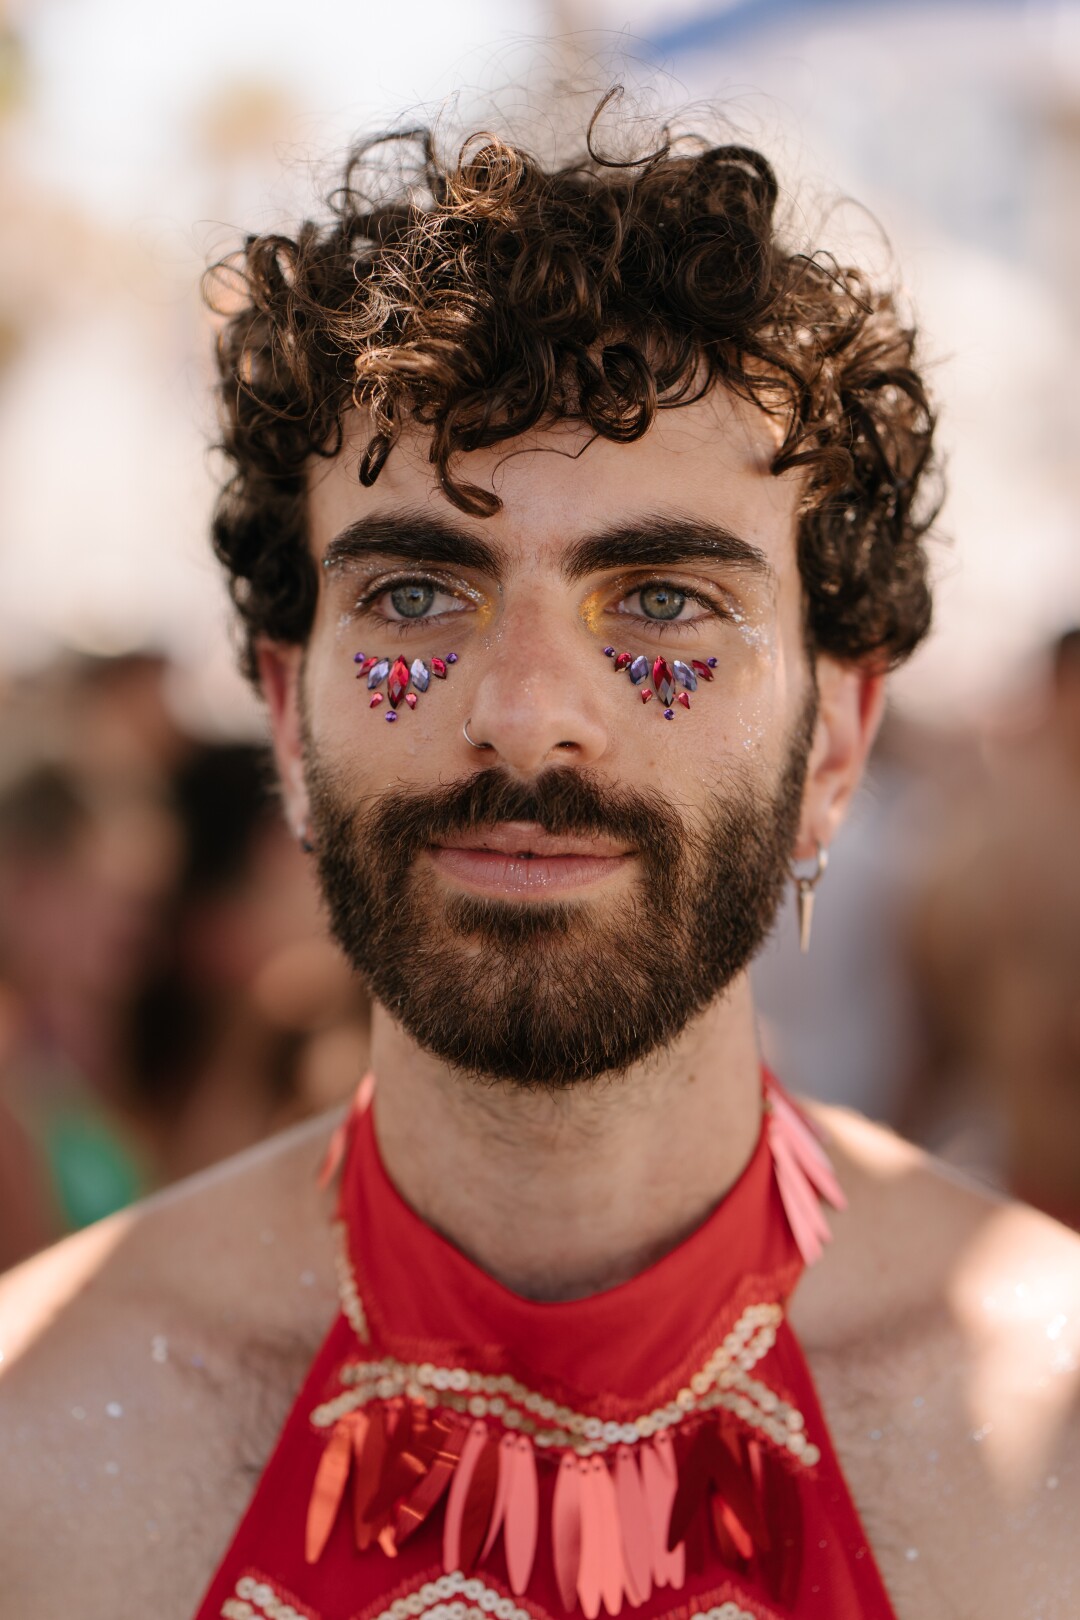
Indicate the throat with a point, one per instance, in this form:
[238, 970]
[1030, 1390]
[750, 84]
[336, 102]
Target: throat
[562, 1195]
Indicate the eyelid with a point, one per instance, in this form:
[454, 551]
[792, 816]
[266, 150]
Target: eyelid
[391, 582]
[720, 603]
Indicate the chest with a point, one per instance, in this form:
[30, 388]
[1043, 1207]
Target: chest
[963, 1502]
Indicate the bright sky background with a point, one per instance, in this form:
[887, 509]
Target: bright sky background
[118, 83]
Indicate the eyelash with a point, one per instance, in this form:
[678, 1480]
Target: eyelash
[384, 587]
[687, 591]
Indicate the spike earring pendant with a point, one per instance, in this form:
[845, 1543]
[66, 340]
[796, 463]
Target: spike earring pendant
[804, 891]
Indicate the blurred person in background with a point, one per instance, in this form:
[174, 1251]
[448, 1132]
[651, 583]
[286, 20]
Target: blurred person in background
[995, 946]
[167, 993]
[255, 1021]
[574, 517]
[89, 847]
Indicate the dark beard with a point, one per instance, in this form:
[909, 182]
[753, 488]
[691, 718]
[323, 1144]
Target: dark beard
[550, 994]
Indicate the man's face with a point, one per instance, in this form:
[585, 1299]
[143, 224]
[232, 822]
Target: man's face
[559, 905]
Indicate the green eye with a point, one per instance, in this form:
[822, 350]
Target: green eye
[412, 601]
[661, 601]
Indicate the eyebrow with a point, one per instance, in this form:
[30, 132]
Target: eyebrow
[660, 540]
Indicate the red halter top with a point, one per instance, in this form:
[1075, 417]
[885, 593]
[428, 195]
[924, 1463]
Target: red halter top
[460, 1453]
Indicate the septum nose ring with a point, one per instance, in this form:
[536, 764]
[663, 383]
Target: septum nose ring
[468, 739]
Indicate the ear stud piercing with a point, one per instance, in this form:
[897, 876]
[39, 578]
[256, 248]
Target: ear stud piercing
[665, 677]
[403, 681]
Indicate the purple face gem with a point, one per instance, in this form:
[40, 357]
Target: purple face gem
[685, 675]
[609, 652]
[418, 674]
[639, 669]
[358, 658]
[451, 658]
[378, 672]
[669, 714]
[711, 662]
[390, 715]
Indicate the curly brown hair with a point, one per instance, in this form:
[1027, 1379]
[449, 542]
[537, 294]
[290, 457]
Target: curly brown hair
[485, 296]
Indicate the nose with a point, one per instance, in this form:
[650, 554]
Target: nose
[538, 700]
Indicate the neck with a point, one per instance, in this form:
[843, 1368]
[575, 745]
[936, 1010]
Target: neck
[561, 1196]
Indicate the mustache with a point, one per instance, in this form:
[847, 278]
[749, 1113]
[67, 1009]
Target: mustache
[559, 801]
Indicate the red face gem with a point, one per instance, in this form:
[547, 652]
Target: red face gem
[410, 698]
[622, 660]
[646, 693]
[701, 669]
[684, 699]
[664, 680]
[376, 700]
[438, 667]
[399, 680]
[368, 663]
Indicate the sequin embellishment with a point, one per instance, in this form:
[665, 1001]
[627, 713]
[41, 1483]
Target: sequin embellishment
[255, 1599]
[722, 1383]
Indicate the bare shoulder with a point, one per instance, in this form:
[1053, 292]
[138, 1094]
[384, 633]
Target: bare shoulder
[943, 1329]
[147, 1365]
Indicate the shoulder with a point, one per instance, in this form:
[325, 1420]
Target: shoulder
[943, 1330]
[147, 1364]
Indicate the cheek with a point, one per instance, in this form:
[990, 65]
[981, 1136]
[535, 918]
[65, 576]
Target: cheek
[349, 724]
[746, 716]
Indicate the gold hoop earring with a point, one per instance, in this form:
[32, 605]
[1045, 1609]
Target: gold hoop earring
[804, 894]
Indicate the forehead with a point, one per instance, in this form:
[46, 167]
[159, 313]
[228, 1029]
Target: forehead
[709, 460]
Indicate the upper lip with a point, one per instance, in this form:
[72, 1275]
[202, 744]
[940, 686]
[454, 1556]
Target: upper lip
[526, 838]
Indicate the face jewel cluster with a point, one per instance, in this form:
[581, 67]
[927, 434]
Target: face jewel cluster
[665, 677]
[402, 680]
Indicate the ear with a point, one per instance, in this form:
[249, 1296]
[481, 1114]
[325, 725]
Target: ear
[851, 702]
[280, 675]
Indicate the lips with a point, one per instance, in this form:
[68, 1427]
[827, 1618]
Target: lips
[525, 841]
[520, 859]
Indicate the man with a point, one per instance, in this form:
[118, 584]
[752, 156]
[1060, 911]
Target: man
[574, 522]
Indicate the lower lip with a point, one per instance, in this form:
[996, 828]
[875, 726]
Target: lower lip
[488, 872]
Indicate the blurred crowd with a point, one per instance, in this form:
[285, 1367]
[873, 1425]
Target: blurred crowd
[168, 995]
